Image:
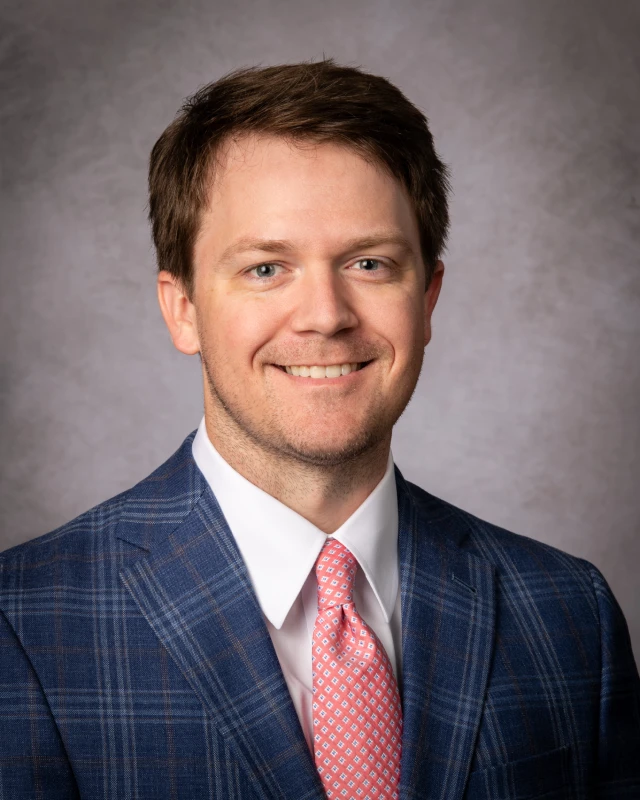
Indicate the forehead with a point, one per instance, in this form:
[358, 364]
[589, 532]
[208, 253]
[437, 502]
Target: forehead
[306, 188]
[248, 154]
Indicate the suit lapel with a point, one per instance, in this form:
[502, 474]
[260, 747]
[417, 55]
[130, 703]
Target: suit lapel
[447, 597]
[194, 591]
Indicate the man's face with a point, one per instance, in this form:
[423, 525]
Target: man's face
[308, 257]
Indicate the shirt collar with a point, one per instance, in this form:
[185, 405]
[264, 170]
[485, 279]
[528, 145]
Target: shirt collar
[280, 547]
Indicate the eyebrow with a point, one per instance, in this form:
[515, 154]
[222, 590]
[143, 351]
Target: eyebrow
[247, 243]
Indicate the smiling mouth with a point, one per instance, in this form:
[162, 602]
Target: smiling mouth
[317, 372]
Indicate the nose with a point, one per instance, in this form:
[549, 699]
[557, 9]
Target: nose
[322, 304]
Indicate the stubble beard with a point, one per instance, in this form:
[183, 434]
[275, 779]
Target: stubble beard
[237, 426]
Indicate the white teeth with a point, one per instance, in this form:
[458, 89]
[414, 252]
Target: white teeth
[332, 371]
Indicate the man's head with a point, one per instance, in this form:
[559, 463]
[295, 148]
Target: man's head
[299, 213]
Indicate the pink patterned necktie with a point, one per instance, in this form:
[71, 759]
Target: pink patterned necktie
[357, 718]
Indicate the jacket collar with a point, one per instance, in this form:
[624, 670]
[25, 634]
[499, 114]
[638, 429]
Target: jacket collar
[193, 589]
[447, 596]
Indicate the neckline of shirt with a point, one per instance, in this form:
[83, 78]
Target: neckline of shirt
[280, 547]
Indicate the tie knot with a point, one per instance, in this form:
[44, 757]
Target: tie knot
[335, 570]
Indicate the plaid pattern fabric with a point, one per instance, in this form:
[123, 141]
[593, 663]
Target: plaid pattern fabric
[135, 662]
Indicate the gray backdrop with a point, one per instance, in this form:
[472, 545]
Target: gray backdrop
[527, 410]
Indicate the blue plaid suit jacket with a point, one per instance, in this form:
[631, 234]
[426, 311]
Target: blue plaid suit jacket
[135, 662]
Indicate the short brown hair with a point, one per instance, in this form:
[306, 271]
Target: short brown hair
[319, 101]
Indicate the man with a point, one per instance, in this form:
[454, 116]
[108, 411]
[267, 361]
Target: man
[275, 612]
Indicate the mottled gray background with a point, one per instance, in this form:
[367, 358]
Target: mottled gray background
[527, 410]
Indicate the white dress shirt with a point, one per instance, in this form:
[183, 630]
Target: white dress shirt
[280, 548]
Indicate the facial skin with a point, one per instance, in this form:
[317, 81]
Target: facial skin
[307, 255]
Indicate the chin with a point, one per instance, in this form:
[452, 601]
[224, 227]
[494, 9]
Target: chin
[317, 451]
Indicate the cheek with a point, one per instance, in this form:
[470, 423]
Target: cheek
[237, 328]
[401, 323]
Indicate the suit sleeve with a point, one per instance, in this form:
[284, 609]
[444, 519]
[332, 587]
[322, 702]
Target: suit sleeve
[618, 767]
[33, 762]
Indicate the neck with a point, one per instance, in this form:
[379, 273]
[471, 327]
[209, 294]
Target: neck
[325, 495]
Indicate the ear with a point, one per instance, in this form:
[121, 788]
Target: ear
[431, 298]
[179, 313]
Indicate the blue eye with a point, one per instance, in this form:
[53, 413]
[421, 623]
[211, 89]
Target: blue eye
[264, 270]
[369, 264]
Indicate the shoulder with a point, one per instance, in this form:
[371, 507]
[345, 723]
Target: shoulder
[524, 566]
[80, 537]
[73, 550]
[542, 593]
